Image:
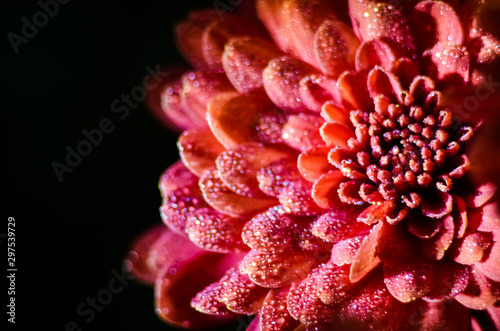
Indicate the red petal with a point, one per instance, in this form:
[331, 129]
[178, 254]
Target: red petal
[438, 205]
[473, 248]
[371, 20]
[339, 224]
[313, 163]
[449, 60]
[376, 212]
[353, 90]
[238, 166]
[240, 294]
[372, 308]
[296, 198]
[175, 286]
[214, 231]
[269, 231]
[333, 284]
[276, 269]
[281, 81]
[452, 279]
[344, 252]
[437, 246]
[410, 279]
[481, 293]
[219, 32]
[274, 314]
[137, 258]
[380, 83]
[234, 118]
[423, 227]
[198, 88]
[478, 196]
[244, 59]
[274, 177]
[176, 177]
[491, 266]
[332, 113]
[208, 301]
[367, 258]
[336, 134]
[316, 90]
[335, 47]
[302, 132]
[373, 53]
[220, 197]
[325, 189]
[435, 21]
[199, 149]
[189, 33]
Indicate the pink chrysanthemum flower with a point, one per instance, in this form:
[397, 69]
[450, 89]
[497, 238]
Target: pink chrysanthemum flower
[325, 180]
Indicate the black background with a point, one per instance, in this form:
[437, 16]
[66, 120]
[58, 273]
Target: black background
[71, 235]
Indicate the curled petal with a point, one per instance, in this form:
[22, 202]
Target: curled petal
[376, 212]
[449, 59]
[481, 293]
[437, 246]
[221, 198]
[352, 87]
[333, 113]
[176, 177]
[406, 70]
[336, 134]
[244, 59]
[438, 205]
[315, 90]
[373, 53]
[313, 163]
[325, 189]
[381, 83]
[281, 81]
[366, 258]
[433, 22]
[335, 47]
[296, 198]
[199, 149]
[276, 269]
[423, 227]
[274, 314]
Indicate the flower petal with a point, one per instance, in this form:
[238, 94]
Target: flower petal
[244, 59]
[481, 293]
[325, 189]
[274, 177]
[238, 166]
[333, 284]
[316, 90]
[296, 198]
[221, 198]
[240, 294]
[437, 246]
[276, 269]
[136, 261]
[344, 252]
[366, 258]
[373, 53]
[214, 231]
[410, 279]
[433, 22]
[448, 61]
[335, 47]
[208, 301]
[452, 279]
[313, 163]
[490, 267]
[438, 205]
[198, 88]
[281, 81]
[339, 224]
[473, 248]
[199, 149]
[177, 284]
[274, 314]
[354, 92]
[302, 131]
[234, 118]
